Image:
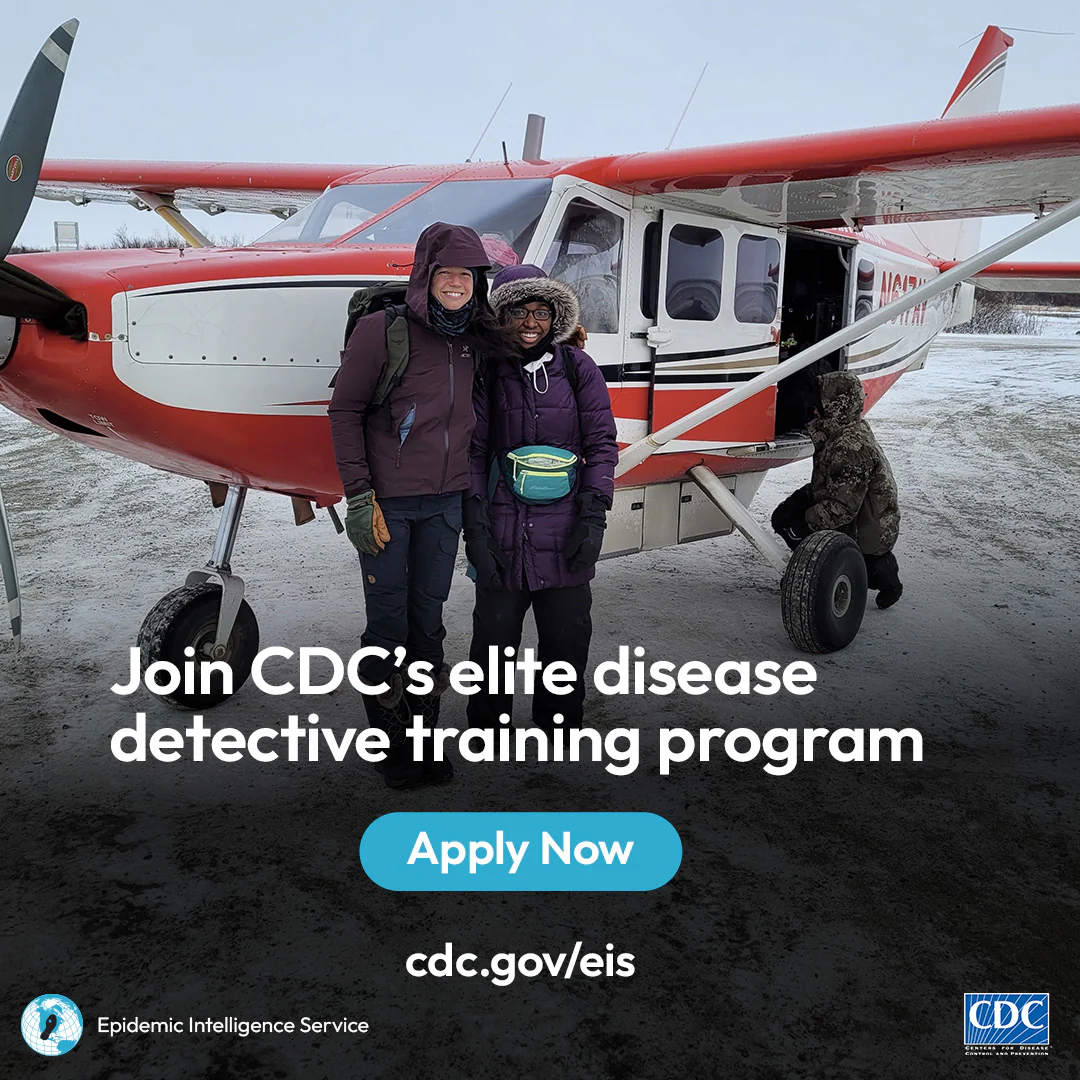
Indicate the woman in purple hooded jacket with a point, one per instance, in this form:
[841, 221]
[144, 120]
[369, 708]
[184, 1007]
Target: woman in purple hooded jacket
[538, 556]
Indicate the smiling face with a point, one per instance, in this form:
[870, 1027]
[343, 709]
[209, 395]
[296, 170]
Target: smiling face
[531, 322]
[452, 286]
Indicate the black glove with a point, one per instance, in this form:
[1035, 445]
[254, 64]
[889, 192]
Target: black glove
[587, 536]
[487, 558]
[474, 518]
[789, 518]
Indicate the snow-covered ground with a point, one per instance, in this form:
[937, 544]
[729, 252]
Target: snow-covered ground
[823, 924]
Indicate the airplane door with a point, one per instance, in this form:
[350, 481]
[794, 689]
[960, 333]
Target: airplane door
[717, 323]
[584, 248]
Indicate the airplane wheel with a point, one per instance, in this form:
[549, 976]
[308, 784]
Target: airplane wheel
[823, 592]
[187, 618]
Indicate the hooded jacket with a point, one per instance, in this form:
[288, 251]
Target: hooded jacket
[516, 408]
[852, 485]
[417, 441]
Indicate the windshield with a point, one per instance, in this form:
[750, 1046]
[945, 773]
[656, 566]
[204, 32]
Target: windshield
[336, 212]
[503, 212]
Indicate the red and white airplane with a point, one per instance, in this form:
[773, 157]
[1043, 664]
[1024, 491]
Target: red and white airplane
[714, 282]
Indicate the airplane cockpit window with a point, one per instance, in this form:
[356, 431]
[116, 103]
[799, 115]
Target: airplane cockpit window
[336, 212]
[587, 254]
[757, 279]
[695, 271]
[503, 212]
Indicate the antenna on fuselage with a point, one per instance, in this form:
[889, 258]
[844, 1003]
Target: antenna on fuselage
[686, 107]
[490, 121]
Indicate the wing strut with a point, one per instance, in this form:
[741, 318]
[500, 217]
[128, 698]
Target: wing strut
[164, 206]
[636, 453]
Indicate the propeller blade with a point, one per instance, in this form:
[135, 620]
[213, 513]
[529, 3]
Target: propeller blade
[11, 575]
[26, 133]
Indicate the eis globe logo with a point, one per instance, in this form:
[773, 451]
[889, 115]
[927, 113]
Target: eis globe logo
[52, 1025]
[1010, 1022]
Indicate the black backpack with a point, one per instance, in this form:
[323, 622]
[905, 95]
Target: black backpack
[388, 297]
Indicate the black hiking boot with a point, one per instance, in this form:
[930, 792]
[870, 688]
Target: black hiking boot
[887, 597]
[390, 713]
[883, 574]
[427, 706]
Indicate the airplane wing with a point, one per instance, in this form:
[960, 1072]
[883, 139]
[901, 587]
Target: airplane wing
[209, 186]
[1002, 163]
[1029, 277]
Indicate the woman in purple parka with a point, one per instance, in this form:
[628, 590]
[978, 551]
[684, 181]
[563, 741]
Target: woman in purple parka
[539, 556]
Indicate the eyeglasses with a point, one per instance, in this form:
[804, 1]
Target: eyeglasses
[541, 315]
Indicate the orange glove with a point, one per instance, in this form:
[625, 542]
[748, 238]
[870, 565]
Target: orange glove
[365, 525]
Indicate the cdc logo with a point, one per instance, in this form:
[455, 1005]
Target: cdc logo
[1007, 1019]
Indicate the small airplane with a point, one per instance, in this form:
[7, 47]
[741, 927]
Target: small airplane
[715, 283]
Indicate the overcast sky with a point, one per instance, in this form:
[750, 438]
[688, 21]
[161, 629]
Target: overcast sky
[416, 80]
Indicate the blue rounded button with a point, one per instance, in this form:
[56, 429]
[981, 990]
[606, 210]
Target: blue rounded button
[520, 852]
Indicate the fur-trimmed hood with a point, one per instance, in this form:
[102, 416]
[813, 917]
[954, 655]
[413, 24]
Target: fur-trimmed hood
[524, 284]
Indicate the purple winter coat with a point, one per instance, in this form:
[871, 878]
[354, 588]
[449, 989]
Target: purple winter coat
[417, 443]
[511, 413]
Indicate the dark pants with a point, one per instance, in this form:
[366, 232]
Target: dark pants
[406, 584]
[564, 630]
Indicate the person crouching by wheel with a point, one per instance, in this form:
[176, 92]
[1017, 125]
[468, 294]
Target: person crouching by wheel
[542, 480]
[852, 489]
[406, 441]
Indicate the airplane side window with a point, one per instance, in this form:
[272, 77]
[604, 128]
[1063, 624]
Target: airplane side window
[587, 255]
[757, 278]
[695, 271]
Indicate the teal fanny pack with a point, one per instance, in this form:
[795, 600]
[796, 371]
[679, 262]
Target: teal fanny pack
[536, 475]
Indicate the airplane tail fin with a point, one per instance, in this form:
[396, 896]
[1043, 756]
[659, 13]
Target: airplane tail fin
[978, 92]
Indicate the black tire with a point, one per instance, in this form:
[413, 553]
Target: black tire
[186, 618]
[823, 592]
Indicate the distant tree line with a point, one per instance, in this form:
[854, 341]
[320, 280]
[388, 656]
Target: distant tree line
[1013, 312]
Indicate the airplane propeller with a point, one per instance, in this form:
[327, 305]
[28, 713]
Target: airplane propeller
[26, 133]
[11, 575]
[22, 151]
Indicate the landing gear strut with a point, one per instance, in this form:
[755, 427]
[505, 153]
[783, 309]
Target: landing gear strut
[823, 584]
[206, 621]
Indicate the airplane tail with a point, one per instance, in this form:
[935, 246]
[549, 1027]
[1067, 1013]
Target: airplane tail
[978, 92]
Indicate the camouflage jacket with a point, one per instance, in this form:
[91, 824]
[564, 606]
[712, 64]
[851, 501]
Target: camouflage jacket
[852, 485]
